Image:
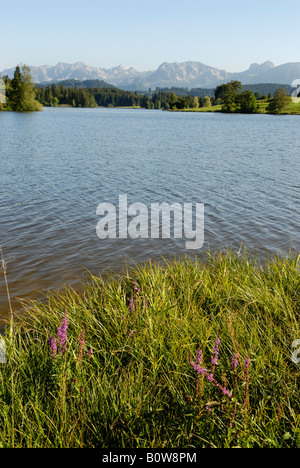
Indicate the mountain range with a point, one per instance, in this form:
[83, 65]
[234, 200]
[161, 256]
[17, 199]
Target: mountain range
[184, 75]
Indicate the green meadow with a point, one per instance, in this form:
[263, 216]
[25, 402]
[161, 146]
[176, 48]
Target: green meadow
[290, 109]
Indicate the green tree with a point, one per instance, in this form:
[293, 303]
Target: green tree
[15, 91]
[279, 102]
[206, 101]
[183, 102]
[227, 94]
[22, 95]
[2, 93]
[48, 96]
[195, 102]
[29, 102]
[55, 102]
[173, 100]
[247, 102]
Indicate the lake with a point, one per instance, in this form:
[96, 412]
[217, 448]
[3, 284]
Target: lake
[57, 166]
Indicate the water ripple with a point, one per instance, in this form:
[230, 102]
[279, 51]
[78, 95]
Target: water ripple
[58, 165]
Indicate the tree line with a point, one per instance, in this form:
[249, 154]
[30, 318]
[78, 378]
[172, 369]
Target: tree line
[60, 94]
[23, 96]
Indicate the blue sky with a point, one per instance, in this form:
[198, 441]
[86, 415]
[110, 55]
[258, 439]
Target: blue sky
[226, 34]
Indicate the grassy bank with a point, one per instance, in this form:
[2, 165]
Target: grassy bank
[180, 355]
[291, 109]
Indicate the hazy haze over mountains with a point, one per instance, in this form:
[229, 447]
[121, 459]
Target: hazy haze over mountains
[186, 74]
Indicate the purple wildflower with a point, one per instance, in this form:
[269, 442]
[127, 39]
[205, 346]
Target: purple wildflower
[215, 358]
[62, 335]
[90, 352]
[210, 377]
[131, 334]
[197, 367]
[135, 287]
[208, 408]
[247, 363]
[199, 356]
[81, 338]
[226, 392]
[131, 305]
[53, 346]
[235, 361]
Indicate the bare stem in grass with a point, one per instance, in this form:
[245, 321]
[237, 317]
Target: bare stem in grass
[4, 269]
[246, 402]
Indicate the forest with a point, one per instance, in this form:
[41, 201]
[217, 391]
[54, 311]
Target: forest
[95, 93]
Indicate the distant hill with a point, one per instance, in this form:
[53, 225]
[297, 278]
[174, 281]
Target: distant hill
[188, 74]
[286, 73]
[168, 75]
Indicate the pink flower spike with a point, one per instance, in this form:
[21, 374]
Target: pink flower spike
[62, 335]
[53, 346]
[131, 305]
[199, 356]
[247, 363]
[235, 361]
[215, 357]
[194, 365]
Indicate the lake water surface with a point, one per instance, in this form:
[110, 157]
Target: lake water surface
[57, 166]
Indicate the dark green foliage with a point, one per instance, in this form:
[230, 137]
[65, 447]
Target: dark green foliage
[247, 102]
[20, 92]
[107, 96]
[227, 95]
[233, 99]
[206, 101]
[279, 102]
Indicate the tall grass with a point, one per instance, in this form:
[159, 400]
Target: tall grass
[129, 372]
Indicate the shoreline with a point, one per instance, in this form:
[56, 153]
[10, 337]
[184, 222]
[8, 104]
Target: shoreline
[214, 109]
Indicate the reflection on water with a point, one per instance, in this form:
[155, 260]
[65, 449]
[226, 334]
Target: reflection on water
[59, 165]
